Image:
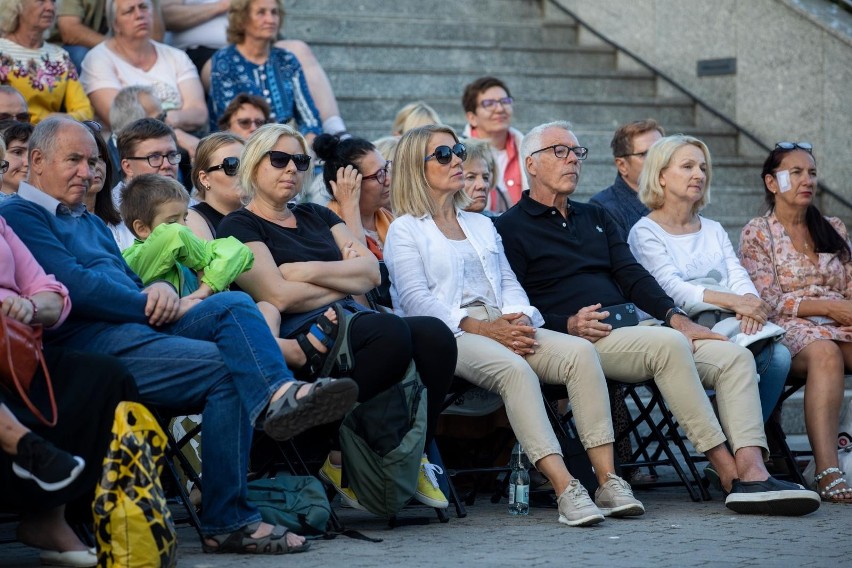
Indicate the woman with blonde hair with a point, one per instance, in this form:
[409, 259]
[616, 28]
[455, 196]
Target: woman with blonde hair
[447, 263]
[414, 115]
[307, 260]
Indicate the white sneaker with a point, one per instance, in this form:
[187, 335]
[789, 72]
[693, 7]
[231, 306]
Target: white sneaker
[615, 498]
[576, 508]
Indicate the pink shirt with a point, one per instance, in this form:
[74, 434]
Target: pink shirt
[21, 275]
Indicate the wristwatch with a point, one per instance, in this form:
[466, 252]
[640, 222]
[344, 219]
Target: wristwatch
[674, 312]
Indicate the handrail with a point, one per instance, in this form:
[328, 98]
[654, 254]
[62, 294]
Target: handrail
[698, 100]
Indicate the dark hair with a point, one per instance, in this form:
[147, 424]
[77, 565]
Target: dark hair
[144, 194]
[139, 131]
[339, 153]
[12, 130]
[622, 140]
[235, 104]
[104, 204]
[826, 238]
[471, 91]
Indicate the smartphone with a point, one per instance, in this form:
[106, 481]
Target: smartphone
[621, 315]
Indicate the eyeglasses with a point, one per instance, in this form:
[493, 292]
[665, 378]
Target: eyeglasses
[245, 123]
[281, 159]
[444, 153]
[20, 117]
[380, 176]
[489, 104]
[93, 125]
[561, 151]
[4, 166]
[637, 154]
[156, 160]
[806, 146]
[229, 165]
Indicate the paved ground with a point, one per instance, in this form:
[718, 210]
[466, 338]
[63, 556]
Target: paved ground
[674, 532]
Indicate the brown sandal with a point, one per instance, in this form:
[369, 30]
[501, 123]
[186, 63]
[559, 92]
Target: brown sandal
[241, 542]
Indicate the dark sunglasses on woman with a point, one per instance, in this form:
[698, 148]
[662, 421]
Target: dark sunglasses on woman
[280, 160]
[806, 146]
[229, 165]
[444, 153]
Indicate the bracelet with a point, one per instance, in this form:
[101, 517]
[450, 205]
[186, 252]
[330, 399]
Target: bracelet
[33, 304]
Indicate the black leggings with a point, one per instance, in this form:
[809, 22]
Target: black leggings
[384, 344]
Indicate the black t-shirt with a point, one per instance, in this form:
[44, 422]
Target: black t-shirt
[310, 240]
[210, 215]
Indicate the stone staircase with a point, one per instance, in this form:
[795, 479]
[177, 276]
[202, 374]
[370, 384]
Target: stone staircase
[383, 54]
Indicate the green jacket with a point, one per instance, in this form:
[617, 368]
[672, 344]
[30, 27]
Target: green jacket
[171, 246]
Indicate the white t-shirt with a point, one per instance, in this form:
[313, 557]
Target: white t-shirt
[104, 69]
[675, 260]
[211, 33]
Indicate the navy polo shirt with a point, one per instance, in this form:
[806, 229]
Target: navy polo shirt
[565, 264]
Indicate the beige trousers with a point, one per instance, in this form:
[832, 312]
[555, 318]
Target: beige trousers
[634, 354]
[560, 359]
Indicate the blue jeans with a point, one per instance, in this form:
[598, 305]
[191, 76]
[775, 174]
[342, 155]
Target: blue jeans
[219, 357]
[77, 53]
[773, 365]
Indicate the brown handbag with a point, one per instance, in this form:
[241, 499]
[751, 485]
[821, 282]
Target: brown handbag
[21, 354]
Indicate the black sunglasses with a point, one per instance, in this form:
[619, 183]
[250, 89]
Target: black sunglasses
[444, 153]
[806, 146]
[20, 117]
[229, 165]
[280, 160]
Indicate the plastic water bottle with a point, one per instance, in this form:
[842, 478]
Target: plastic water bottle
[519, 483]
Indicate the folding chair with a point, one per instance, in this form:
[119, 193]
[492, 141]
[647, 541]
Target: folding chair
[174, 451]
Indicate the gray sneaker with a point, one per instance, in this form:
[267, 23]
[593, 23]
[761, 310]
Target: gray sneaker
[576, 508]
[615, 498]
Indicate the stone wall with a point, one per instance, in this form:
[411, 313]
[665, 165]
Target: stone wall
[794, 72]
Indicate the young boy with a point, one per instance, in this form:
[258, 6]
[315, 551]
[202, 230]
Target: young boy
[154, 209]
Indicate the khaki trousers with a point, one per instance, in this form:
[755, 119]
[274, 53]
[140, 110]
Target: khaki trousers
[634, 354]
[560, 359]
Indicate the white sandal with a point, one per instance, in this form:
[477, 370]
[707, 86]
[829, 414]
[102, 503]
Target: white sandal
[829, 493]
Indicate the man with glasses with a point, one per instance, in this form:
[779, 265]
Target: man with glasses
[13, 105]
[629, 146]
[488, 108]
[577, 270]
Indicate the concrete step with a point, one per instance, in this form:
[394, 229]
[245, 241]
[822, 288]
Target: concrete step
[409, 84]
[471, 59]
[531, 111]
[427, 29]
[793, 412]
[508, 10]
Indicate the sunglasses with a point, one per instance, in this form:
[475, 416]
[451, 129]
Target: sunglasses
[246, 123]
[561, 151]
[229, 165]
[93, 125]
[4, 166]
[280, 160]
[444, 153]
[806, 146]
[20, 117]
[380, 176]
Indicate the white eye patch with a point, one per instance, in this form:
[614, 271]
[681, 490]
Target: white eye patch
[783, 179]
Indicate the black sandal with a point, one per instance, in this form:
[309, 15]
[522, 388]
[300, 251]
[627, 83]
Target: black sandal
[334, 336]
[241, 542]
[327, 400]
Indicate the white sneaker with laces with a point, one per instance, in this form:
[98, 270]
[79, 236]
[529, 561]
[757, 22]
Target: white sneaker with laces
[576, 508]
[615, 498]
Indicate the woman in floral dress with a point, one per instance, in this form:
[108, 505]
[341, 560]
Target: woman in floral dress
[801, 264]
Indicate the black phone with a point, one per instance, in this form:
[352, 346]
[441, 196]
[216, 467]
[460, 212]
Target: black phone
[621, 315]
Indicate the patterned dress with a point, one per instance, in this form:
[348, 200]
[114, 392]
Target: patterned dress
[784, 277]
[279, 81]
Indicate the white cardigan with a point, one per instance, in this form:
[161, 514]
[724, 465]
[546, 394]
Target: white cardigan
[427, 273]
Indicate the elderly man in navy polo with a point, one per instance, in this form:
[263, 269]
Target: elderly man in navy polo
[572, 262]
[216, 355]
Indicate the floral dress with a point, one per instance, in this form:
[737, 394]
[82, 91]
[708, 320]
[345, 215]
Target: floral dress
[784, 277]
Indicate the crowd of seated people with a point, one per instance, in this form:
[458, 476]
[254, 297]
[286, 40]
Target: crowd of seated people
[397, 260]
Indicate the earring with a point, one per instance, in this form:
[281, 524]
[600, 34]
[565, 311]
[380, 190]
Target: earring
[207, 187]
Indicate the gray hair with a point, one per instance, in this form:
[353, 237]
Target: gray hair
[45, 136]
[10, 15]
[126, 107]
[10, 90]
[532, 140]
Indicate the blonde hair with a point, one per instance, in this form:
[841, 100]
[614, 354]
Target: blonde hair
[10, 15]
[238, 15]
[409, 188]
[414, 115]
[258, 144]
[386, 146]
[659, 158]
